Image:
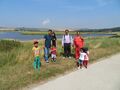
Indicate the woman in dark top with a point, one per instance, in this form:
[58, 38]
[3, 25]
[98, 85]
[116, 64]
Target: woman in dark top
[54, 39]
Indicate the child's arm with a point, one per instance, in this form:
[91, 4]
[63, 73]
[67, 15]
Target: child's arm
[33, 53]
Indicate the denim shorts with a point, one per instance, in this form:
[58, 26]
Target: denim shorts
[80, 61]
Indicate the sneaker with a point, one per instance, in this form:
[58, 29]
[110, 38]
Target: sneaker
[63, 57]
[78, 68]
[69, 57]
[47, 61]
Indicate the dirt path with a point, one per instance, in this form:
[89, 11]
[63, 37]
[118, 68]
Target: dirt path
[103, 75]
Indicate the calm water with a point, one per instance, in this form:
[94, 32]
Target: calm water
[19, 36]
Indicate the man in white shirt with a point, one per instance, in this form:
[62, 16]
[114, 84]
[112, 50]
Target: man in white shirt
[67, 41]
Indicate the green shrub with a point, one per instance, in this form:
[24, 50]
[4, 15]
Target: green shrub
[7, 45]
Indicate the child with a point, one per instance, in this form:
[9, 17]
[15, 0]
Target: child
[36, 54]
[53, 53]
[86, 57]
[83, 59]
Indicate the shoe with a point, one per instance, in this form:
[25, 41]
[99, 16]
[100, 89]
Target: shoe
[63, 57]
[69, 57]
[47, 61]
[78, 68]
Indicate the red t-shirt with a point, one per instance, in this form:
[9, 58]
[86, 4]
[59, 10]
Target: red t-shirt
[53, 51]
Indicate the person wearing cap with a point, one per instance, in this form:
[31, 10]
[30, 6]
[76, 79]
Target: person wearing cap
[36, 54]
[47, 45]
[67, 41]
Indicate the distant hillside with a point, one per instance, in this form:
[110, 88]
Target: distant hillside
[31, 29]
[6, 29]
[115, 29]
[82, 30]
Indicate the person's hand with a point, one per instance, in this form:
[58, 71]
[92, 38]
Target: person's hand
[73, 46]
[43, 47]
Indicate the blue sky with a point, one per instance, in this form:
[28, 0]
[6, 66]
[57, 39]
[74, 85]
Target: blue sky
[60, 13]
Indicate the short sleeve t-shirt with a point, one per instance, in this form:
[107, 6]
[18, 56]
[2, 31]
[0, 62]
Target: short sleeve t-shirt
[36, 51]
[48, 39]
[53, 51]
[86, 57]
[82, 56]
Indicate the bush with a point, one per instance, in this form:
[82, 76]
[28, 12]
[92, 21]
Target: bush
[7, 45]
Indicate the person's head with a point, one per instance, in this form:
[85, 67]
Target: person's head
[82, 50]
[66, 32]
[35, 42]
[77, 33]
[50, 32]
[85, 49]
[53, 34]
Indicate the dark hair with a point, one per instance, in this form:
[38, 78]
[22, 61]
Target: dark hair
[54, 37]
[66, 30]
[35, 42]
[50, 30]
[85, 49]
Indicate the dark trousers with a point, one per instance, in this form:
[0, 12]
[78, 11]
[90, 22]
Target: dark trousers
[67, 49]
[54, 43]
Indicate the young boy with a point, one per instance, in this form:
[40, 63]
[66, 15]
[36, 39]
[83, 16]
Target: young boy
[53, 53]
[36, 54]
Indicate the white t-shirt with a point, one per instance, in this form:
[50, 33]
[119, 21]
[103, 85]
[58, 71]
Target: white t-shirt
[83, 56]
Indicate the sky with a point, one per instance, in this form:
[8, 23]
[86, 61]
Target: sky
[60, 13]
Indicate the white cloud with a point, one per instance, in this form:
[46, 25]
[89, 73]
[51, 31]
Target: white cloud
[46, 21]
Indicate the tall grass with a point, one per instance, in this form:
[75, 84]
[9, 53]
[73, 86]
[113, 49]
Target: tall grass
[16, 70]
[7, 45]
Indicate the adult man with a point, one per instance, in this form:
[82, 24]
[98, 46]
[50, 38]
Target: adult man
[67, 41]
[47, 44]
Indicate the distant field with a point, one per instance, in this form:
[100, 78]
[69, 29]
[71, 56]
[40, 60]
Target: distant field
[16, 70]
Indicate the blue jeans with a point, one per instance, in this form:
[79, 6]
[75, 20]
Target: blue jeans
[46, 53]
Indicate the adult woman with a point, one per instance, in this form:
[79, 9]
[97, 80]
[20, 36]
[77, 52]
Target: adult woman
[78, 44]
[54, 38]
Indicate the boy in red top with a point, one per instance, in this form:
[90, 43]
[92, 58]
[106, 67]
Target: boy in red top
[53, 53]
[78, 44]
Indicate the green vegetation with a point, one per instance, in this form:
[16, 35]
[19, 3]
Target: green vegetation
[16, 70]
[43, 32]
[61, 32]
[7, 45]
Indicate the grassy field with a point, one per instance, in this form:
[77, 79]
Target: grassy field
[16, 70]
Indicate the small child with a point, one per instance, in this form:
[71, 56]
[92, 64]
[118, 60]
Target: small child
[83, 59]
[53, 53]
[86, 57]
[36, 54]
